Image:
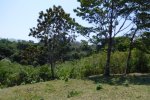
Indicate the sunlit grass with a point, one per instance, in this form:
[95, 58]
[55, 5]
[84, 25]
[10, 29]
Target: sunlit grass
[76, 90]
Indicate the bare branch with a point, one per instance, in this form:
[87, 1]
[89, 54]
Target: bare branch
[121, 26]
[129, 30]
[125, 27]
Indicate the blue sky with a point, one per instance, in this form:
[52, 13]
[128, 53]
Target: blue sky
[18, 16]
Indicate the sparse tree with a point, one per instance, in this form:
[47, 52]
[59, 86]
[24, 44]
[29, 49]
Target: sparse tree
[106, 19]
[54, 29]
[140, 11]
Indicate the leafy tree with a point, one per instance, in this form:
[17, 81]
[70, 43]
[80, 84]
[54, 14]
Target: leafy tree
[53, 29]
[143, 42]
[146, 41]
[18, 48]
[85, 47]
[105, 16]
[121, 43]
[5, 52]
[30, 55]
[139, 9]
[99, 42]
[7, 48]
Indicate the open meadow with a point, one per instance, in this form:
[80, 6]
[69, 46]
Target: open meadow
[133, 87]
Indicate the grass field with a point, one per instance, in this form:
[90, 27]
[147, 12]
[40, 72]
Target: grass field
[133, 87]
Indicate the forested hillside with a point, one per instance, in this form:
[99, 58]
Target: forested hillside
[26, 62]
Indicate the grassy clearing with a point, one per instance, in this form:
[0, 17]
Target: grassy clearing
[114, 88]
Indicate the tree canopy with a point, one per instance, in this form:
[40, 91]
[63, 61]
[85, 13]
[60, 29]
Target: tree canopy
[54, 29]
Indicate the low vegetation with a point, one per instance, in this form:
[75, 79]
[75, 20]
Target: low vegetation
[97, 88]
[12, 74]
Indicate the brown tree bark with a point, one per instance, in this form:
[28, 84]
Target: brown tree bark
[107, 66]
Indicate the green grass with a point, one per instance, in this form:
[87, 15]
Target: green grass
[113, 88]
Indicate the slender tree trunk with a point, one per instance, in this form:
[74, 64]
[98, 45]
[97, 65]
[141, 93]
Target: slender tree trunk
[52, 70]
[107, 66]
[127, 70]
[51, 63]
[128, 59]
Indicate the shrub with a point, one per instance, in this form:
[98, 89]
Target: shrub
[126, 83]
[140, 62]
[118, 62]
[72, 93]
[45, 72]
[99, 87]
[81, 68]
[15, 74]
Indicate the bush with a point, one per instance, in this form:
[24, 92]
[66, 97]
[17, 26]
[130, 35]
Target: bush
[118, 62]
[140, 62]
[81, 68]
[99, 87]
[126, 83]
[12, 74]
[45, 72]
[72, 93]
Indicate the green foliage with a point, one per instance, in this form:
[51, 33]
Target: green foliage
[140, 62]
[93, 65]
[6, 48]
[105, 14]
[126, 83]
[15, 74]
[85, 67]
[142, 43]
[140, 9]
[99, 87]
[72, 93]
[118, 62]
[53, 29]
[121, 43]
[45, 72]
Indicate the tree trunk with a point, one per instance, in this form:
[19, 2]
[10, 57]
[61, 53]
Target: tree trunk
[128, 59]
[52, 64]
[127, 70]
[52, 70]
[107, 66]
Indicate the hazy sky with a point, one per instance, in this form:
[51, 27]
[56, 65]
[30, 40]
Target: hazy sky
[18, 16]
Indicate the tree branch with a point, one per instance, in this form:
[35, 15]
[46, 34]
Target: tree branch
[121, 26]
